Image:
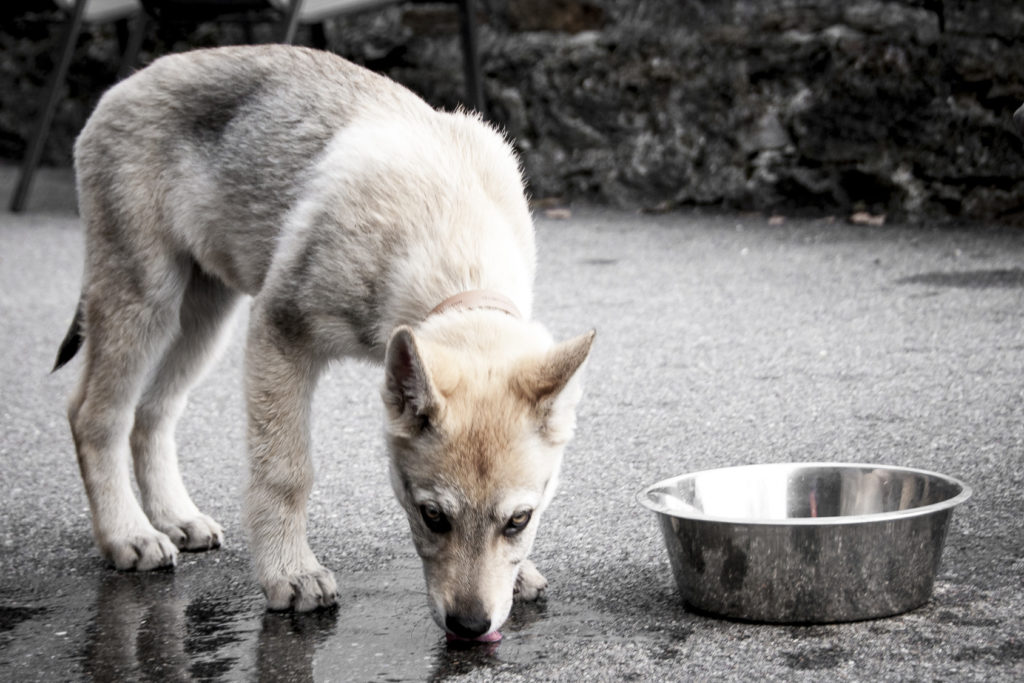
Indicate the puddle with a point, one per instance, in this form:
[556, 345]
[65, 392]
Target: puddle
[12, 616]
[816, 659]
[185, 626]
[1004, 278]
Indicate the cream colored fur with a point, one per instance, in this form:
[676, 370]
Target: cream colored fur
[347, 209]
[480, 414]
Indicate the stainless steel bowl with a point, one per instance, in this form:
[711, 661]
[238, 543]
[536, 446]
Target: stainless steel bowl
[805, 542]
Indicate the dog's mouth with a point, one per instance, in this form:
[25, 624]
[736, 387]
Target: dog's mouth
[490, 637]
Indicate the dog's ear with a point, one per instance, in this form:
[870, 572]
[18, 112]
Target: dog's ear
[554, 386]
[409, 394]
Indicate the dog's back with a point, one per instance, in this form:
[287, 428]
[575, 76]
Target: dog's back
[218, 152]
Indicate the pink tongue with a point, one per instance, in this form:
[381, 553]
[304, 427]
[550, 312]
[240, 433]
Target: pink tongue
[492, 637]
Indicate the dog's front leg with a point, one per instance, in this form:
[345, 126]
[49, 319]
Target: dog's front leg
[530, 583]
[280, 378]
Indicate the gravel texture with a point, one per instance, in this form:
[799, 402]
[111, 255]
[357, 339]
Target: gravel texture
[721, 340]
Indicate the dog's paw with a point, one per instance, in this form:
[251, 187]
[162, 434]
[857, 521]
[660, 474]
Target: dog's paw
[530, 583]
[302, 592]
[140, 551]
[195, 534]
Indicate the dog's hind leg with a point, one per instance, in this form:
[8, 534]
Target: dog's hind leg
[206, 304]
[131, 301]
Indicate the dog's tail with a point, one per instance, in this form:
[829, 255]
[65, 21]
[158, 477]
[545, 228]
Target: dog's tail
[72, 340]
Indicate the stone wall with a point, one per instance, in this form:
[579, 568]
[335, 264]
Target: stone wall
[900, 108]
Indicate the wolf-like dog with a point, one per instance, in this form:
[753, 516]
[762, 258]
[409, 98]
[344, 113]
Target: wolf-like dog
[362, 223]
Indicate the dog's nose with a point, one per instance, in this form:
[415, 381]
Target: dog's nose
[468, 625]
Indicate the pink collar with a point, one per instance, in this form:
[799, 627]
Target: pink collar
[478, 298]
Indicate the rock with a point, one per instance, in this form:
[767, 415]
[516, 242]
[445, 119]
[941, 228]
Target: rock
[893, 18]
[766, 133]
[570, 16]
[900, 107]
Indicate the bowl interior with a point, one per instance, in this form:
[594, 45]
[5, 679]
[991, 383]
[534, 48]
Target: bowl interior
[795, 493]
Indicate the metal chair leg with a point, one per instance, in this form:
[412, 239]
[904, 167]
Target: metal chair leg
[471, 57]
[53, 90]
[131, 51]
[318, 35]
[291, 22]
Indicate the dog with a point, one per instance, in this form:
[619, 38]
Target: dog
[363, 224]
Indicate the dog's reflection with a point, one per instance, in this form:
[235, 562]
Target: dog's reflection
[288, 642]
[138, 631]
[143, 629]
[148, 627]
[460, 660]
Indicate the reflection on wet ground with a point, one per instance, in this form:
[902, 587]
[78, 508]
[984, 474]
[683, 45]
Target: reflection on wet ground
[810, 340]
[163, 626]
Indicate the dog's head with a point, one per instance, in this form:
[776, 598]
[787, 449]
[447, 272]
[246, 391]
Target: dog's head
[476, 430]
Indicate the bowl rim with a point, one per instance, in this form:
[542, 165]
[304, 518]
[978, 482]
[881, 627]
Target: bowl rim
[643, 497]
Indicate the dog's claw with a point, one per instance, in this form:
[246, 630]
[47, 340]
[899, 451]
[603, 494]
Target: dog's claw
[302, 592]
[194, 535]
[142, 553]
[530, 584]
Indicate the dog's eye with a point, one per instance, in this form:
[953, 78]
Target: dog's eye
[435, 518]
[517, 522]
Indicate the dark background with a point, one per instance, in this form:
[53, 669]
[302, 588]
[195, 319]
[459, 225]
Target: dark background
[898, 108]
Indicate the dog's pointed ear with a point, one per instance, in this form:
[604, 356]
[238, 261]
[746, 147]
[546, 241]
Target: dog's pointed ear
[409, 394]
[554, 386]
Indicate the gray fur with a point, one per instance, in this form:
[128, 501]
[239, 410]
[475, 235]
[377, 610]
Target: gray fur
[336, 199]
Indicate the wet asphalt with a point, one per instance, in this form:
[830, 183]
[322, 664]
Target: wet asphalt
[722, 340]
